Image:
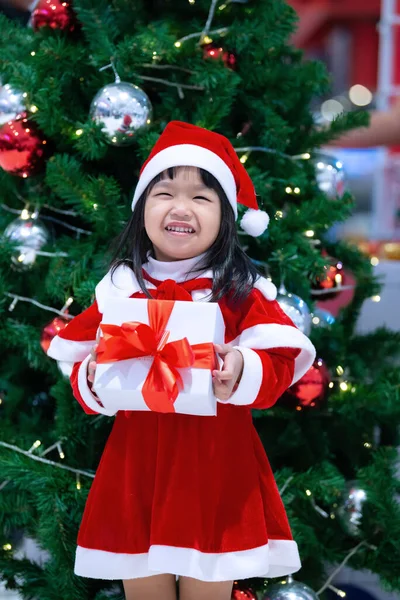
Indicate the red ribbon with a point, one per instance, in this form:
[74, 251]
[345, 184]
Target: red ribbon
[135, 340]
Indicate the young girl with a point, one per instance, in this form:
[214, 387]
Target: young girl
[182, 495]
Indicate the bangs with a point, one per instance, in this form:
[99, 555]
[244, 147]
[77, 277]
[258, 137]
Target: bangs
[209, 180]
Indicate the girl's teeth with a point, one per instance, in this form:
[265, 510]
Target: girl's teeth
[181, 229]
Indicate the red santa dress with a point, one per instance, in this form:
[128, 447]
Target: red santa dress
[189, 495]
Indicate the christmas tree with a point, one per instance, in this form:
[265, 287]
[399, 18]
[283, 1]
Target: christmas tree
[69, 166]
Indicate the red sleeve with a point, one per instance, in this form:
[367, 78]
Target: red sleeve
[73, 344]
[275, 352]
[75, 390]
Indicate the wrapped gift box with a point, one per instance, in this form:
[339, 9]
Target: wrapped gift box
[119, 384]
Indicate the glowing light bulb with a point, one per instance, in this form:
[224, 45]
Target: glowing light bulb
[360, 95]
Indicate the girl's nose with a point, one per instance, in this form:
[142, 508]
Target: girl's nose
[181, 206]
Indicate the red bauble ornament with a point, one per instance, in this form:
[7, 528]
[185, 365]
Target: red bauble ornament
[329, 284]
[217, 53]
[22, 149]
[51, 330]
[241, 592]
[53, 14]
[311, 390]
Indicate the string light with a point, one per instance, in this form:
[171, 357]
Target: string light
[178, 44]
[376, 298]
[309, 233]
[331, 384]
[339, 370]
[367, 445]
[78, 482]
[244, 158]
[278, 214]
[340, 593]
[374, 261]
[35, 445]
[95, 206]
[33, 108]
[346, 559]
[7, 547]
[33, 53]
[297, 190]
[308, 492]
[79, 131]
[46, 460]
[222, 7]
[288, 190]
[344, 386]
[360, 95]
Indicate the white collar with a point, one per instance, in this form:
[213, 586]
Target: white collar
[178, 270]
[124, 283]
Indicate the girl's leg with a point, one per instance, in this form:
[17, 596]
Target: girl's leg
[193, 589]
[151, 588]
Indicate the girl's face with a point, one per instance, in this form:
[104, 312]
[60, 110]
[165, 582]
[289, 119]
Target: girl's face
[182, 216]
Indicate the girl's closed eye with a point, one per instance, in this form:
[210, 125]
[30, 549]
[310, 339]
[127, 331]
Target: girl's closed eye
[202, 198]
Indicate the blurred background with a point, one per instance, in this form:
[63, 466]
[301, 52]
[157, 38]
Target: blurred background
[359, 41]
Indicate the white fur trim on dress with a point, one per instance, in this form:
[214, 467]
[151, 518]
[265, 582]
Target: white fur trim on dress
[250, 383]
[84, 390]
[188, 155]
[275, 559]
[69, 350]
[124, 284]
[272, 335]
[267, 288]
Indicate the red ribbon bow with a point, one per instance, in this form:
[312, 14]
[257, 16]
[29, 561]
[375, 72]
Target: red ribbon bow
[136, 340]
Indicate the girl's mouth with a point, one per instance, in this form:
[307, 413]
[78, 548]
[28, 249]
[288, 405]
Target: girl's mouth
[179, 231]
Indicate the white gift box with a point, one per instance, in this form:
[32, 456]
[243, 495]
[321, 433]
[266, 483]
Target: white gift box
[118, 384]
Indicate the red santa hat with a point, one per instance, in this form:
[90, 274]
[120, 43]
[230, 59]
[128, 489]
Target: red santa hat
[182, 144]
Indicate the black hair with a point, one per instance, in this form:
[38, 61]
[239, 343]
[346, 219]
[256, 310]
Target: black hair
[234, 273]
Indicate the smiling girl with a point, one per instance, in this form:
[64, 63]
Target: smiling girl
[183, 495]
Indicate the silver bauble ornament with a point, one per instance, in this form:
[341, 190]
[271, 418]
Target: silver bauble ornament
[289, 590]
[123, 109]
[11, 103]
[350, 508]
[30, 234]
[322, 318]
[296, 309]
[329, 174]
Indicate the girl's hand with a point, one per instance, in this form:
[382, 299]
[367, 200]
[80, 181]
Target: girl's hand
[225, 380]
[92, 363]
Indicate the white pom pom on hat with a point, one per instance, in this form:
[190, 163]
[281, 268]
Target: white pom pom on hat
[254, 222]
[182, 144]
